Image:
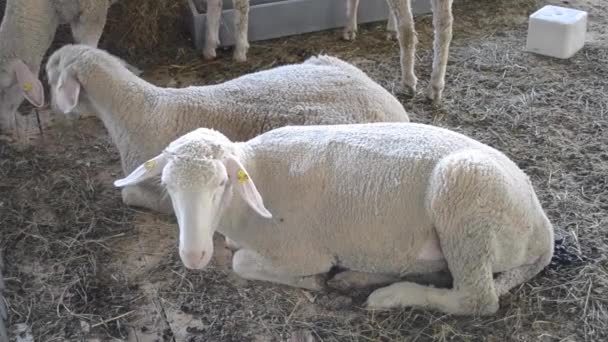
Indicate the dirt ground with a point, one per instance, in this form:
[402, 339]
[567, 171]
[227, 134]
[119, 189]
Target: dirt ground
[81, 266]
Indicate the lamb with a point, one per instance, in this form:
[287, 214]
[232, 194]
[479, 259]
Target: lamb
[375, 198]
[400, 15]
[26, 33]
[142, 118]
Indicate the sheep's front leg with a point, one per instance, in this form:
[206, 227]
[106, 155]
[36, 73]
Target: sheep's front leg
[250, 265]
[406, 35]
[144, 197]
[347, 280]
[442, 23]
[88, 27]
[212, 40]
[350, 31]
[241, 25]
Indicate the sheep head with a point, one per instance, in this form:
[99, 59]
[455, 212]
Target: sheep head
[200, 172]
[17, 82]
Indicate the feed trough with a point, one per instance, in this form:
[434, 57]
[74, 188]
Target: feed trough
[270, 19]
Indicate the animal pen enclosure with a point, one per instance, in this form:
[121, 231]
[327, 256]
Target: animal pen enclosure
[80, 265]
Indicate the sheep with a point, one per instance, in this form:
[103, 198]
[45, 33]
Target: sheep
[142, 118]
[400, 16]
[26, 33]
[376, 198]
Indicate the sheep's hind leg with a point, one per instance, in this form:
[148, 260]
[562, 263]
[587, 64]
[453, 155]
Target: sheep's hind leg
[442, 23]
[350, 31]
[470, 264]
[390, 26]
[250, 265]
[406, 35]
[212, 40]
[241, 23]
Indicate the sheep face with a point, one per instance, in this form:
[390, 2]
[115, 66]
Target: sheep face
[16, 83]
[200, 192]
[65, 88]
[200, 177]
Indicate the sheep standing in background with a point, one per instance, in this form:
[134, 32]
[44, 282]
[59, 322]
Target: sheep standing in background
[378, 198]
[26, 33]
[142, 118]
[241, 26]
[400, 14]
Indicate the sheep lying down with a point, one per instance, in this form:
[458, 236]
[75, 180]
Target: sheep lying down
[376, 198]
[142, 118]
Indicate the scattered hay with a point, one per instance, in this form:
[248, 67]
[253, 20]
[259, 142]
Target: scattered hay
[59, 214]
[58, 225]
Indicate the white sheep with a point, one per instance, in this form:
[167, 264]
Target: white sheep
[378, 198]
[400, 15]
[26, 33]
[142, 118]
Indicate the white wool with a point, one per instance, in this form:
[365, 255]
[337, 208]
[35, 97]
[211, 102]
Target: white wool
[142, 118]
[379, 198]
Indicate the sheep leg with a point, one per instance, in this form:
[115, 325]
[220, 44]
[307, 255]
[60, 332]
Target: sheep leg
[357, 280]
[143, 196]
[241, 25]
[406, 35]
[88, 28]
[473, 291]
[390, 26]
[424, 272]
[250, 265]
[442, 23]
[212, 40]
[350, 31]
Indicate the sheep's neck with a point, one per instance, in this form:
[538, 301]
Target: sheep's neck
[27, 31]
[128, 111]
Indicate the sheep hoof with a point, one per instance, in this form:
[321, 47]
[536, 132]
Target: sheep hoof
[435, 95]
[382, 299]
[209, 54]
[349, 34]
[409, 86]
[240, 56]
[312, 283]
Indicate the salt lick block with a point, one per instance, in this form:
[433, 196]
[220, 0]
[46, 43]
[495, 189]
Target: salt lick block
[556, 31]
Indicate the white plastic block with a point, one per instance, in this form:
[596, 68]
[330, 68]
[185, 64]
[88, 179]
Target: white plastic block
[556, 31]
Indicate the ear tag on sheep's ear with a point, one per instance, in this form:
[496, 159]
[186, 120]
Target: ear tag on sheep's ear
[28, 86]
[149, 165]
[242, 176]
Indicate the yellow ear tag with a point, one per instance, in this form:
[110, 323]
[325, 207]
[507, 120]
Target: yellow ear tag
[241, 176]
[149, 165]
[28, 86]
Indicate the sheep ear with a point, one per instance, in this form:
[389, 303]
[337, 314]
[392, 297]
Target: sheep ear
[149, 169]
[67, 92]
[30, 86]
[245, 187]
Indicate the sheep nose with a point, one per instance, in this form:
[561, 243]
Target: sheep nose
[193, 259]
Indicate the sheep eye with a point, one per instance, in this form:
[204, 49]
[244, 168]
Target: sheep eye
[223, 182]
